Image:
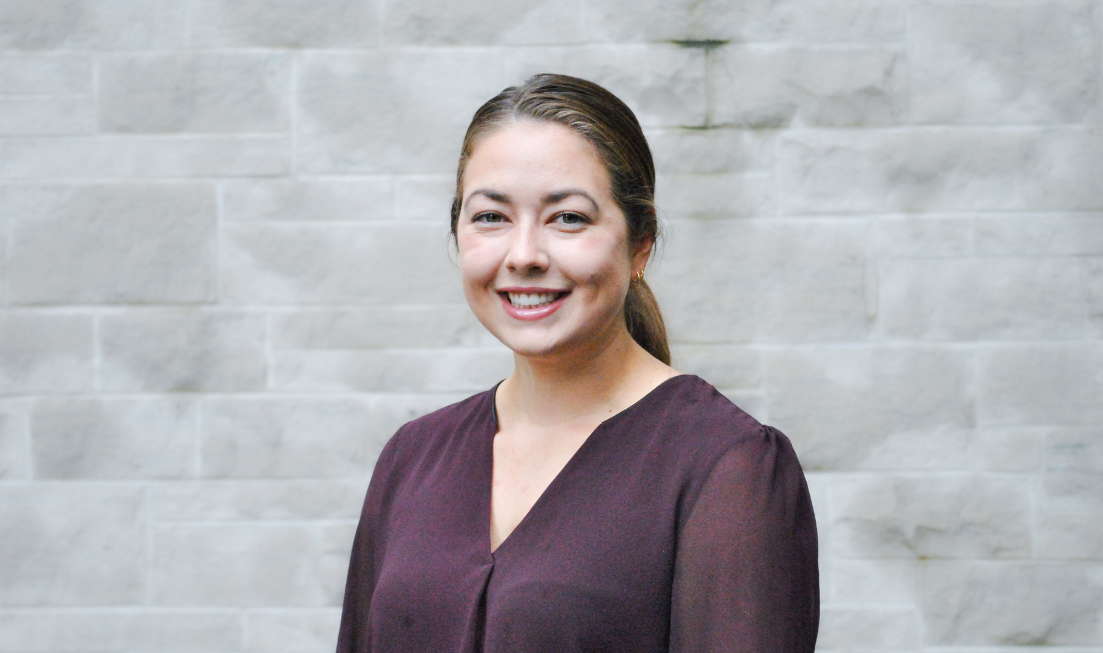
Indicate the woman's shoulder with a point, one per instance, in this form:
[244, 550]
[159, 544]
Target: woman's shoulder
[437, 428]
[692, 415]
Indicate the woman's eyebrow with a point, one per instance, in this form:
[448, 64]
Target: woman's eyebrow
[494, 195]
[559, 196]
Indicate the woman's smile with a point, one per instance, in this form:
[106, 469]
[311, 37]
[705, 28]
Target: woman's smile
[532, 303]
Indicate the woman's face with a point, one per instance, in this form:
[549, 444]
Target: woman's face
[543, 246]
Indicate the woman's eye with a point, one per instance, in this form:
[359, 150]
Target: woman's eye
[488, 216]
[573, 219]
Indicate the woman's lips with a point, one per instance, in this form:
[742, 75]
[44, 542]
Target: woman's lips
[534, 312]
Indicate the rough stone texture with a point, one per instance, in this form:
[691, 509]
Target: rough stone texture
[249, 564]
[45, 353]
[1020, 603]
[309, 200]
[283, 23]
[115, 243]
[720, 281]
[982, 299]
[126, 157]
[103, 630]
[279, 264]
[957, 517]
[1041, 384]
[14, 441]
[769, 88]
[295, 437]
[194, 93]
[72, 545]
[114, 438]
[226, 279]
[183, 352]
[314, 630]
[868, 408]
[1003, 63]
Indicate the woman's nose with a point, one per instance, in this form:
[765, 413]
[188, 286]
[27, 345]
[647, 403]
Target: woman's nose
[526, 252]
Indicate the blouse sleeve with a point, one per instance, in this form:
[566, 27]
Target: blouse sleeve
[354, 635]
[746, 575]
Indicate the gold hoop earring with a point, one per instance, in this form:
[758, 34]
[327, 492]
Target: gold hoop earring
[638, 276]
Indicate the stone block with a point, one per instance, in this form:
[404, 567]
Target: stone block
[45, 353]
[91, 24]
[1072, 464]
[297, 437]
[145, 157]
[246, 565]
[1093, 279]
[73, 544]
[114, 438]
[906, 236]
[1039, 235]
[1012, 604]
[620, 21]
[309, 200]
[804, 22]
[868, 628]
[15, 441]
[663, 84]
[426, 197]
[878, 582]
[233, 92]
[309, 264]
[1041, 384]
[715, 196]
[982, 298]
[283, 23]
[138, 629]
[45, 74]
[1011, 449]
[993, 63]
[769, 88]
[183, 352]
[360, 113]
[485, 23]
[397, 327]
[927, 517]
[870, 170]
[724, 367]
[858, 408]
[293, 630]
[111, 243]
[385, 370]
[683, 151]
[732, 281]
[1073, 536]
[251, 500]
[47, 115]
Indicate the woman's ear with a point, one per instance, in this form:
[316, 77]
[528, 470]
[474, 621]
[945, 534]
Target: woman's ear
[641, 252]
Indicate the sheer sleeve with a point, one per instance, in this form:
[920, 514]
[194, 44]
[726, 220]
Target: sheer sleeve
[355, 635]
[746, 574]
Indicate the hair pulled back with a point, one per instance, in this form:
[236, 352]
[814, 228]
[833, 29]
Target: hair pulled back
[610, 126]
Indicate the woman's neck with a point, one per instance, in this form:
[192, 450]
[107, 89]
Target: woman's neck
[585, 386]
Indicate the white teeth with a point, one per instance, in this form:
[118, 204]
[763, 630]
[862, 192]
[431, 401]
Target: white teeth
[526, 300]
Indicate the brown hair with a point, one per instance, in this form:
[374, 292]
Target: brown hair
[611, 127]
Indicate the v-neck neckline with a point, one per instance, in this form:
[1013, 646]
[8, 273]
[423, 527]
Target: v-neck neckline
[556, 480]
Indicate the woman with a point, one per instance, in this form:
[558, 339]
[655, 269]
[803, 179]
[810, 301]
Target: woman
[595, 500]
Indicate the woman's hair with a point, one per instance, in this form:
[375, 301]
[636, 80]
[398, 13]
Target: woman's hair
[610, 126]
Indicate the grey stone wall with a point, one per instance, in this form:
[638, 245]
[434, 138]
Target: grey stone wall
[224, 282]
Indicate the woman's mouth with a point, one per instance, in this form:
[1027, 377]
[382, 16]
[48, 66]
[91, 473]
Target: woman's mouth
[532, 304]
[533, 300]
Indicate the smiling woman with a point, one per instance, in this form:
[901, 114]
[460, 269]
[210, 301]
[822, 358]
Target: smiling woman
[596, 499]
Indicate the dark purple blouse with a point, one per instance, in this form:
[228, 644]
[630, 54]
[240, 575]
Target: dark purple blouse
[681, 524]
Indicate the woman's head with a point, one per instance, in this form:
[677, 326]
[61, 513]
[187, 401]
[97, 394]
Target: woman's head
[610, 128]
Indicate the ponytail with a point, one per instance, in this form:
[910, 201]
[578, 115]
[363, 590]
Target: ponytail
[645, 320]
